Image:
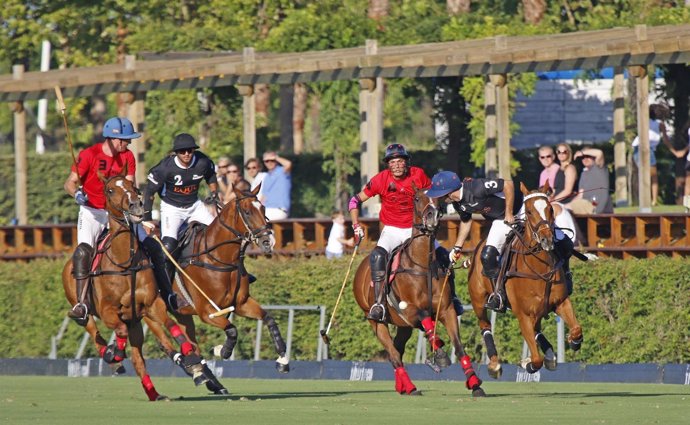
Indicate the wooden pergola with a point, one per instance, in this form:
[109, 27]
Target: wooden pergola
[495, 58]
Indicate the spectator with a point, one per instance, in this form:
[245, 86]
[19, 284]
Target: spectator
[681, 153]
[276, 186]
[548, 161]
[657, 134]
[564, 185]
[228, 176]
[593, 195]
[254, 173]
[336, 238]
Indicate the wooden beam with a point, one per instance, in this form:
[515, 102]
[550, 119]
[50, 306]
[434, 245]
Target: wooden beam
[248, 114]
[20, 163]
[644, 171]
[619, 155]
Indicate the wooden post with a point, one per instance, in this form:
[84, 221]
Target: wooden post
[491, 155]
[248, 112]
[20, 164]
[136, 114]
[619, 158]
[644, 174]
[500, 81]
[370, 129]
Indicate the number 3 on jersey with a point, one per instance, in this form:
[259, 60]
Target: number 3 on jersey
[491, 184]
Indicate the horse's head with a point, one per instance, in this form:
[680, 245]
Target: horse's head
[251, 214]
[427, 214]
[123, 199]
[539, 216]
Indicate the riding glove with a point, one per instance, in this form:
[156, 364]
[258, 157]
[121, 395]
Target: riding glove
[212, 198]
[454, 254]
[80, 197]
[359, 233]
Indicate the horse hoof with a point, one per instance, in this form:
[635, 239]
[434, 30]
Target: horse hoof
[478, 393]
[162, 397]
[550, 362]
[524, 363]
[118, 369]
[495, 373]
[575, 345]
[282, 365]
[441, 358]
[199, 378]
[415, 392]
[222, 391]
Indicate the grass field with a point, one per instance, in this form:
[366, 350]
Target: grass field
[102, 401]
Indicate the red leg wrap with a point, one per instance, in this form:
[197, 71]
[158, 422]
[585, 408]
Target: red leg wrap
[403, 383]
[101, 351]
[472, 381]
[149, 388]
[121, 342]
[187, 347]
[175, 331]
[465, 362]
[428, 324]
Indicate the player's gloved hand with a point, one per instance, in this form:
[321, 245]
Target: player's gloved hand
[212, 198]
[454, 254]
[359, 233]
[80, 197]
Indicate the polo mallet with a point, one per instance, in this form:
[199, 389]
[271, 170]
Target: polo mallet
[465, 265]
[324, 332]
[219, 311]
[61, 107]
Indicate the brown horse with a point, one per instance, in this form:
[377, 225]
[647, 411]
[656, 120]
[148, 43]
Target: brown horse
[123, 291]
[214, 260]
[535, 285]
[417, 294]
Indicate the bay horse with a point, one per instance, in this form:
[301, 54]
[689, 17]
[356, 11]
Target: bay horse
[416, 295]
[534, 282]
[213, 257]
[123, 291]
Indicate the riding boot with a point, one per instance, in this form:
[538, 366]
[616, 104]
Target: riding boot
[162, 272]
[377, 259]
[498, 300]
[444, 264]
[564, 250]
[81, 260]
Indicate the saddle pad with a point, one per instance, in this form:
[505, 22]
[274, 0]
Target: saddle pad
[99, 252]
[393, 266]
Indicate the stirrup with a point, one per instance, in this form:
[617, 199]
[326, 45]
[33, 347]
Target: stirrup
[496, 303]
[79, 313]
[377, 313]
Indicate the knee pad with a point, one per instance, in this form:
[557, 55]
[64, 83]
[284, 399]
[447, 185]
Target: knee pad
[377, 260]
[489, 257]
[170, 244]
[81, 260]
[564, 247]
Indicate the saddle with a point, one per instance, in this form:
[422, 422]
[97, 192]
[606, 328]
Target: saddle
[185, 237]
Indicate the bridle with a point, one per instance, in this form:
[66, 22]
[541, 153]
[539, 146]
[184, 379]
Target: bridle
[429, 218]
[543, 225]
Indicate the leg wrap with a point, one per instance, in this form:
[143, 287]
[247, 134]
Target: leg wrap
[230, 341]
[428, 324]
[121, 342]
[489, 343]
[489, 258]
[403, 383]
[112, 354]
[149, 388]
[472, 380]
[275, 334]
[544, 343]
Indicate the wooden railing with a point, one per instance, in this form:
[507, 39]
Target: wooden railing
[606, 235]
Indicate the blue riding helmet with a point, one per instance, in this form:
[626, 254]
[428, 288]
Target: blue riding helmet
[443, 183]
[396, 150]
[119, 128]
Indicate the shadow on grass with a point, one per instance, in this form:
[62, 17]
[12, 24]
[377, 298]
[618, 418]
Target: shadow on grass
[276, 396]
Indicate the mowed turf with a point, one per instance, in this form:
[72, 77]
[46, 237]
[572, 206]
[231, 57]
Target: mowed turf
[101, 401]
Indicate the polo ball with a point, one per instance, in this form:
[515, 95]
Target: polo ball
[402, 305]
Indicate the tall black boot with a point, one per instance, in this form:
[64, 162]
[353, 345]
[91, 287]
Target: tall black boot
[81, 262]
[377, 260]
[564, 250]
[161, 271]
[498, 300]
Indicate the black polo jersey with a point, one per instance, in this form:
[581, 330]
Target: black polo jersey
[178, 186]
[485, 197]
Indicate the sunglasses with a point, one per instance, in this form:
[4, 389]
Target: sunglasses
[269, 160]
[251, 168]
[185, 151]
[545, 156]
[561, 152]
[233, 171]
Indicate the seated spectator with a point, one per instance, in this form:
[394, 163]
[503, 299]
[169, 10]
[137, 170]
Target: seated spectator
[276, 186]
[548, 161]
[254, 173]
[228, 175]
[566, 178]
[336, 238]
[593, 195]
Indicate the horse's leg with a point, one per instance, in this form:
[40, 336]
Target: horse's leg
[450, 320]
[429, 325]
[550, 361]
[251, 308]
[528, 326]
[136, 339]
[478, 296]
[403, 383]
[566, 311]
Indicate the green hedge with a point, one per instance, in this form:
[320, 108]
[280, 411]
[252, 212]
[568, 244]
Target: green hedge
[631, 311]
